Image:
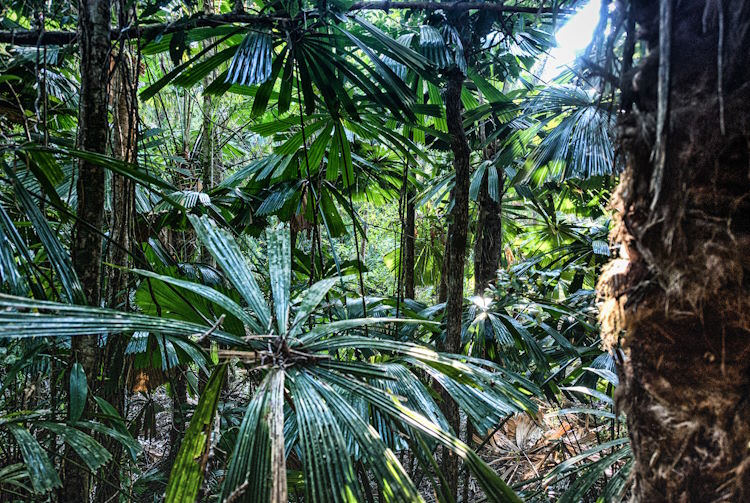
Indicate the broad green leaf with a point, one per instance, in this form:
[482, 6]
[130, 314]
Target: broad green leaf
[59, 257]
[227, 254]
[12, 279]
[492, 484]
[209, 294]
[276, 434]
[329, 473]
[251, 458]
[260, 103]
[582, 410]
[570, 463]
[321, 331]
[591, 392]
[251, 64]
[15, 474]
[309, 301]
[78, 391]
[120, 434]
[280, 271]
[42, 473]
[490, 92]
[54, 319]
[91, 452]
[588, 475]
[157, 86]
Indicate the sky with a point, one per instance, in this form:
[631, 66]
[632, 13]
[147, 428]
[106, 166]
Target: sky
[572, 38]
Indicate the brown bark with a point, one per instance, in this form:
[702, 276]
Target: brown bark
[488, 244]
[455, 255]
[86, 249]
[678, 298]
[122, 234]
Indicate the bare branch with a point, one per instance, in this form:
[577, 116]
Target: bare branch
[150, 31]
[205, 335]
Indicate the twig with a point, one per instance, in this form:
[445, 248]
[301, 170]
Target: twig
[237, 492]
[202, 337]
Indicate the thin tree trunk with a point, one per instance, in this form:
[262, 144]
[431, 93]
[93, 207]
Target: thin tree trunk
[86, 249]
[184, 242]
[207, 159]
[207, 146]
[410, 235]
[122, 232]
[455, 255]
[178, 383]
[678, 299]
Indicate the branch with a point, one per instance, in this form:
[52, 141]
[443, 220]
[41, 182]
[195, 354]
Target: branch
[150, 31]
[600, 71]
[205, 335]
[457, 6]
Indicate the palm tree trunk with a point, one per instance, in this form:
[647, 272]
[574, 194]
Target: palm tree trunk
[455, 255]
[678, 299]
[488, 244]
[86, 249]
[207, 143]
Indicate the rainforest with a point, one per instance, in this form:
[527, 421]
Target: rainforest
[374, 251]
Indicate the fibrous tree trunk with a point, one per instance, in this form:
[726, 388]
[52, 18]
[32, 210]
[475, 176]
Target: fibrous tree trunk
[453, 269]
[86, 249]
[488, 243]
[678, 298]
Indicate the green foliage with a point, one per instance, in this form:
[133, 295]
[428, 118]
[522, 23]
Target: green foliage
[41, 472]
[78, 391]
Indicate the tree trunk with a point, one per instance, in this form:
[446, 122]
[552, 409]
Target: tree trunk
[678, 299]
[455, 255]
[410, 236]
[178, 384]
[207, 152]
[86, 250]
[488, 244]
[184, 242]
[122, 234]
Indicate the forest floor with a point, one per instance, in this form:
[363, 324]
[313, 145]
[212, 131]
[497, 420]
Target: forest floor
[522, 449]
